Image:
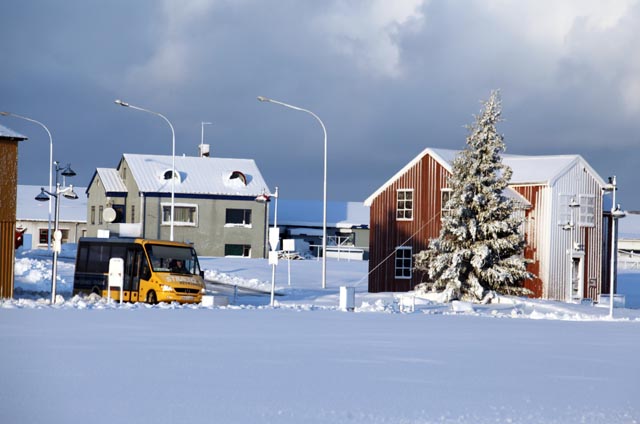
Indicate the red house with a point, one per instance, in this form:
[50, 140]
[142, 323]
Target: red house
[560, 197]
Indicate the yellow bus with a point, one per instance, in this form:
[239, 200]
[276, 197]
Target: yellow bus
[154, 270]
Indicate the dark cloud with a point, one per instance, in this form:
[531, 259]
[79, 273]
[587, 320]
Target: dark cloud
[387, 78]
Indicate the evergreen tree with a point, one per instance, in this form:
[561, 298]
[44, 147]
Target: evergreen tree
[479, 244]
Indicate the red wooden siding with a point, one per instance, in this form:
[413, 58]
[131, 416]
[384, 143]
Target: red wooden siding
[532, 194]
[426, 178]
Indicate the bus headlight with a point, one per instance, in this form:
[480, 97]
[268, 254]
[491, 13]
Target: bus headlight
[166, 288]
[202, 291]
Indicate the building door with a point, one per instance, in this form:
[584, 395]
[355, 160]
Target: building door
[577, 278]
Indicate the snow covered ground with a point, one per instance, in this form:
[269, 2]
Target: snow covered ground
[519, 361]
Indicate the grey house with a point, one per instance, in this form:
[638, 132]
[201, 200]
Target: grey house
[215, 205]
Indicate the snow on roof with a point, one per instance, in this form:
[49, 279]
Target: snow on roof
[197, 175]
[9, 133]
[629, 226]
[526, 169]
[111, 180]
[29, 209]
[308, 213]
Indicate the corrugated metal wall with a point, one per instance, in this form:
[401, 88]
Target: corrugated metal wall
[426, 178]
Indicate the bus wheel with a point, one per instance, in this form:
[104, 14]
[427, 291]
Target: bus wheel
[152, 298]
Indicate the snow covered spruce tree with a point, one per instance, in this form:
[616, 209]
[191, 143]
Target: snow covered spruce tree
[477, 251]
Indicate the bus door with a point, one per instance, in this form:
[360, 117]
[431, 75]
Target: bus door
[133, 269]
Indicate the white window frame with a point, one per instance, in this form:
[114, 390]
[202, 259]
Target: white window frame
[564, 211]
[176, 222]
[444, 211]
[587, 211]
[402, 212]
[399, 268]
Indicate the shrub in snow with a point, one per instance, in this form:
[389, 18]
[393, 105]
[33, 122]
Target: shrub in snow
[480, 244]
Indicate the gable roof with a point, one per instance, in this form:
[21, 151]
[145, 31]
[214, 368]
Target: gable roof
[111, 180]
[526, 169]
[196, 175]
[10, 134]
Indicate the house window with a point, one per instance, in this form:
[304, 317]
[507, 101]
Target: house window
[239, 250]
[133, 213]
[100, 215]
[587, 210]
[93, 215]
[186, 215]
[404, 262]
[445, 196]
[238, 217]
[43, 233]
[564, 210]
[404, 209]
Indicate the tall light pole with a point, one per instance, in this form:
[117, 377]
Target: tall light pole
[263, 198]
[173, 155]
[50, 164]
[616, 213]
[324, 195]
[57, 234]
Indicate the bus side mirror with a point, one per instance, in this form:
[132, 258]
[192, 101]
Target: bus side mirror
[202, 274]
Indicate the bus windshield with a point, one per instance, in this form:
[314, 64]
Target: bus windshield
[180, 260]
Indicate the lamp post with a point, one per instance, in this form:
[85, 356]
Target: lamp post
[324, 195]
[173, 155]
[50, 164]
[274, 239]
[616, 213]
[57, 234]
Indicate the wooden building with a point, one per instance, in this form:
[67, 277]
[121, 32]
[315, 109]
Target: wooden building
[8, 187]
[562, 203]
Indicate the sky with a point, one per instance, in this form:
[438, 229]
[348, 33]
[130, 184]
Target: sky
[387, 79]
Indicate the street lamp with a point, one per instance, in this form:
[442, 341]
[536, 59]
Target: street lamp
[44, 196]
[274, 239]
[173, 155]
[616, 213]
[324, 196]
[50, 164]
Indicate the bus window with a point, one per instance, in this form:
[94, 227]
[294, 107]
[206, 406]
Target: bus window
[165, 259]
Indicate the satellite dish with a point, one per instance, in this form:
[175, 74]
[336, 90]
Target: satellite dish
[109, 215]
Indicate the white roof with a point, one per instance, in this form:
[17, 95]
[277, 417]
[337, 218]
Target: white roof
[445, 158]
[197, 175]
[629, 227]
[308, 213]
[111, 180]
[29, 209]
[526, 169]
[9, 133]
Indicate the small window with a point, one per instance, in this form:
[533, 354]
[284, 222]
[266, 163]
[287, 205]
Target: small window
[93, 215]
[404, 209]
[133, 213]
[237, 175]
[564, 210]
[404, 262]
[185, 215]
[100, 215]
[587, 210]
[445, 208]
[238, 217]
[43, 236]
[239, 250]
